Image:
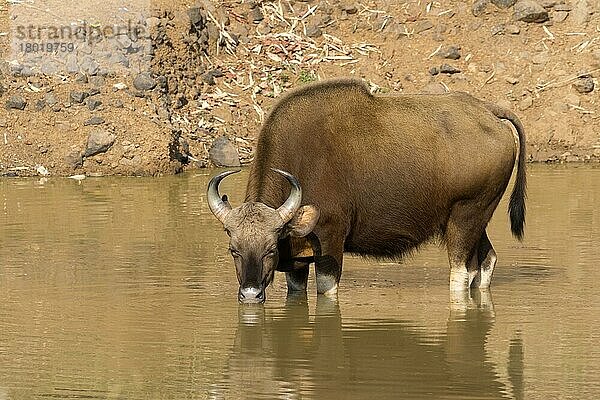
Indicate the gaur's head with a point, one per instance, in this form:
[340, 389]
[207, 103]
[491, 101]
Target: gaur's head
[254, 230]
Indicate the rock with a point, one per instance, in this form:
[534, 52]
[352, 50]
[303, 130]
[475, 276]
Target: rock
[96, 81]
[74, 159]
[349, 9]
[210, 76]
[95, 120]
[119, 59]
[498, 29]
[512, 80]
[434, 88]
[40, 105]
[449, 69]
[93, 103]
[451, 52]
[512, 29]
[78, 97]
[541, 58]
[504, 3]
[572, 100]
[479, 7]
[584, 84]
[223, 153]
[144, 81]
[256, 15]
[559, 16]
[88, 65]
[422, 26]
[530, 11]
[434, 71]
[71, 64]
[99, 141]
[580, 15]
[526, 103]
[50, 99]
[49, 68]
[81, 78]
[313, 31]
[16, 102]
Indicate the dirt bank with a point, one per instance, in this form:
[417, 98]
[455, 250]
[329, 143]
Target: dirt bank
[213, 69]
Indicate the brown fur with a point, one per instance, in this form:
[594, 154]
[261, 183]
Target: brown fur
[388, 173]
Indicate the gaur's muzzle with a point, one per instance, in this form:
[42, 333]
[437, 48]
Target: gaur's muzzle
[251, 295]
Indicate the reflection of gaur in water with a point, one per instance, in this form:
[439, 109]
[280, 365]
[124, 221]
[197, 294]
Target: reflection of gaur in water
[338, 169]
[293, 355]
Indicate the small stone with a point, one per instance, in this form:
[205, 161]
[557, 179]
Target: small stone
[78, 97]
[559, 16]
[144, 81]
[434, 88]
[572, 100]
[313, 31]
[93, 103]
[81, 78]
[99, 141]
[504, 3]
[257, 15]
[512, 29]
[530, 11]
[210, 76]
[117, 103]
[89, 66]
[526, 103]
[584, 84]
[74, 159]
[423, 26]
[451, 52]
[512, 80]
[350, 9]
[119, 86]
[40, 105]
[580, 15]
[96, 81]
[449, 69]
[479, 7]
[16, 102]
[50, 99]
[119, 59]
[434, 71]
[71, 64]
[180, 102]
[541, 58]
[95, 120]
[123, 41]
[223, 153]
[498, 29]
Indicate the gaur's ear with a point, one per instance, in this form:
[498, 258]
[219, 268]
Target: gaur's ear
[303, 221]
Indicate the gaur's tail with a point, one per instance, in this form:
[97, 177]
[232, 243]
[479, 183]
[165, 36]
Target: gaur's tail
[516, 207]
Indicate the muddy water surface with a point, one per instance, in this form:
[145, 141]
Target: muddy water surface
[122, 288]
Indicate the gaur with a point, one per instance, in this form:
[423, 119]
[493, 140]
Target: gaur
[338, 169]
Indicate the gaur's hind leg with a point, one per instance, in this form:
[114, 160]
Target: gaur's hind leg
[486, 260]
[298, 278]
[464, 229]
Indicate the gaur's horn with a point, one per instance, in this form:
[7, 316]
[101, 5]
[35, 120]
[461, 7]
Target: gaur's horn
[218, 207]
[291, 205]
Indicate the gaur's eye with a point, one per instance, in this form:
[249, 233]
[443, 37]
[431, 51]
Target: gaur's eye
[271, 252]
[235, 253]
